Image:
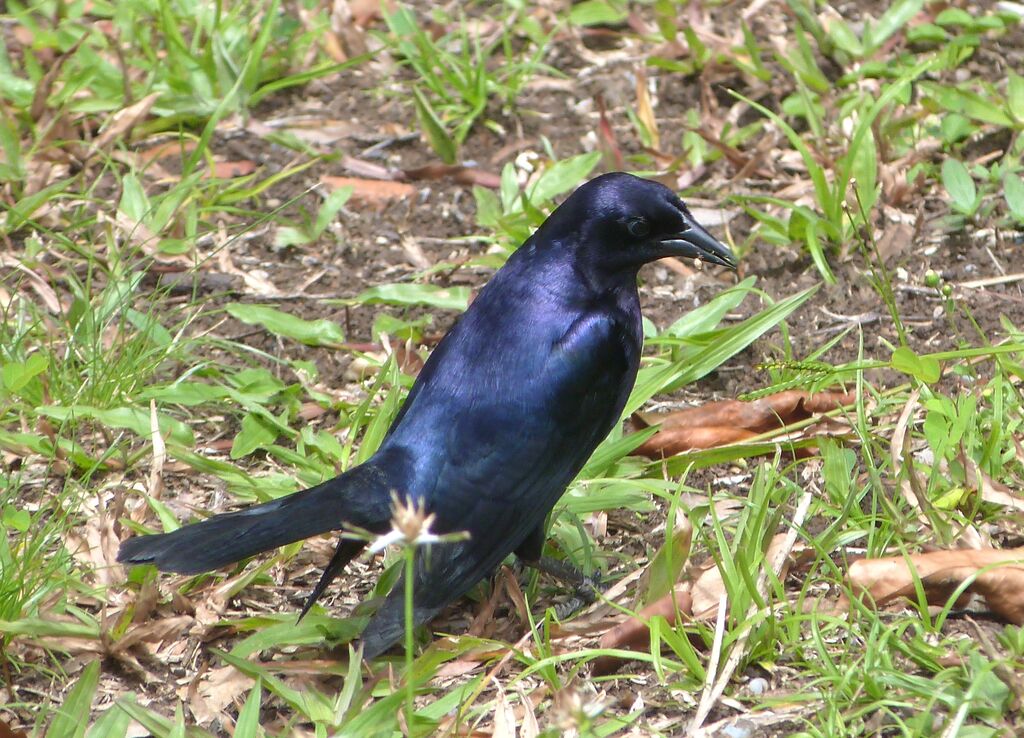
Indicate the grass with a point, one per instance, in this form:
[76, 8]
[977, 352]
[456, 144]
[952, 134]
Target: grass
[454, 78]
[130, 400]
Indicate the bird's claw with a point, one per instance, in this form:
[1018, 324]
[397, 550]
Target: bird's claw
[586, 593]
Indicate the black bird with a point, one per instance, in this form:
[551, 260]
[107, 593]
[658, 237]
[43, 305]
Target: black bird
[504, 414]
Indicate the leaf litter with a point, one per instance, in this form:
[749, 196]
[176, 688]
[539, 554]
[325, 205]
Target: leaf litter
[161, 608]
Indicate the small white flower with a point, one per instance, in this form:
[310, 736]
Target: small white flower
[409, 523]
[382, 542]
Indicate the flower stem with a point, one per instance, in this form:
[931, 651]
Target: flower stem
[410, 692]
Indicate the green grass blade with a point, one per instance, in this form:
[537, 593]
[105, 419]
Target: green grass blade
[248, 723]
[729, 342]
[73, 716]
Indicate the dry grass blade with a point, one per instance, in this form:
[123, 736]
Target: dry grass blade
[156, 469]
[39, 285]
[777, 560]
[123, 121]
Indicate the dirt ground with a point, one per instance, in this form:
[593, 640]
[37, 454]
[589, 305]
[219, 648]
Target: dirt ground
[368, 248]
[370, 245]
[375, 244]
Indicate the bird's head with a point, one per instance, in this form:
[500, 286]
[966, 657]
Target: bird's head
[620, 222]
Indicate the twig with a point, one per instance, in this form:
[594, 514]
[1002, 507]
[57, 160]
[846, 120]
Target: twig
[989, 281]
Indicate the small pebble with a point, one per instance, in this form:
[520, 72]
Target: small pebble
[740, 729]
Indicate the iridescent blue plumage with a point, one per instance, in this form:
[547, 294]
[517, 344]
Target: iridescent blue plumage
[507, 410]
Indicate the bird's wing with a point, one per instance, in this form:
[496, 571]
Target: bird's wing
[508, 457]
[500, 446]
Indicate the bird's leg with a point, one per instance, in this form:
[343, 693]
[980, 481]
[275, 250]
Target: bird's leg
[584, 587]
[564, 572]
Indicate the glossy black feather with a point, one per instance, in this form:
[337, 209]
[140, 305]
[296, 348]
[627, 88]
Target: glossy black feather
[504, 414]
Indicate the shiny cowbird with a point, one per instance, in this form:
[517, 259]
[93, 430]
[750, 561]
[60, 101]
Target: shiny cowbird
[504, 414]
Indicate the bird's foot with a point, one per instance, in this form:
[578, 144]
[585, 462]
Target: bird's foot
[585, 587]
[585, 593]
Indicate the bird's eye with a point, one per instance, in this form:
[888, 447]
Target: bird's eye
[638, 227]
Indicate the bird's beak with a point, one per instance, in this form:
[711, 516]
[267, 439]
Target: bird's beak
[696, 243]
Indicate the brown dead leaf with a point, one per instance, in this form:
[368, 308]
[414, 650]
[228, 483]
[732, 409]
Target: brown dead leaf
[136, 232]
[371, 192]
[217, 689]
[165, 150]
[256, 281]
[368, 169]
[461, 174]
[311, 411]
[676, 440]
[39, 285]
[483, 621]
[349, 22]
[515, 594]
[210, 608]
[231, 169]
[707, 592]
[414, 253]
[365, 12]
[896, 239]
[94, 544]
[991, 490]
[152, 631]
[504, 718]
[334, 43]
[361, 367]
[996, 575]
[6, 731]
[709, 588]
[145, 601]
[763, 414]
[528, 725]
[455, 668]
[633, 634]
[219, 444]
[731, 421]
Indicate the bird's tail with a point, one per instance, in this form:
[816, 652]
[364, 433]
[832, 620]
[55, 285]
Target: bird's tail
[360, 497]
